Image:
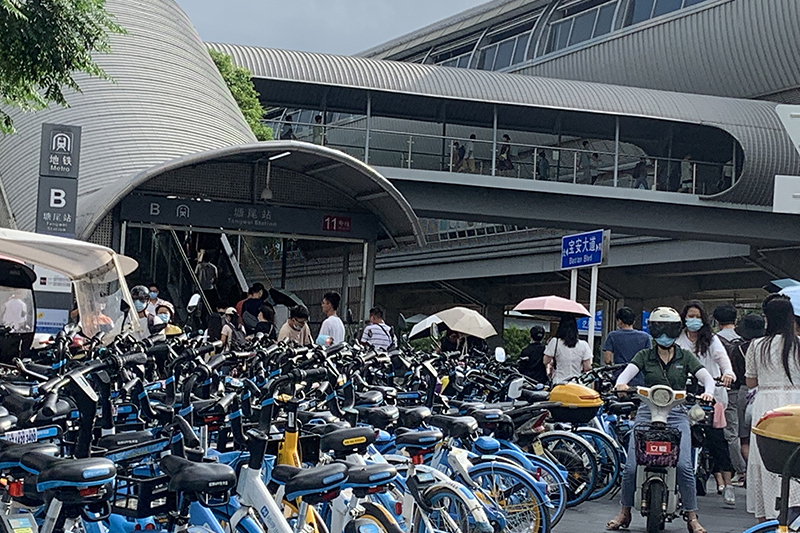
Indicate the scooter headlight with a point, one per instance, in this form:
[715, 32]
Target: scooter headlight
[661, 397]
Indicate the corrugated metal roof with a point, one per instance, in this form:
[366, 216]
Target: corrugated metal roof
[754, 124]
[166, 100]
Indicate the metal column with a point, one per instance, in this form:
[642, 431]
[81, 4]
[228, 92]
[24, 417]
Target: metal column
[346, 280]
[593, 305]
[616, 153]
[369, 127]
[494, 143]
[368, 278]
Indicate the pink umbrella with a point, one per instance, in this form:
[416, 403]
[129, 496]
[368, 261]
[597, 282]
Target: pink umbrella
[551, 305]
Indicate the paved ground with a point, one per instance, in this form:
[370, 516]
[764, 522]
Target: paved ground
[716, 518]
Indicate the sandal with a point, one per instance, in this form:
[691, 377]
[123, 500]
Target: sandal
[699, 529]
[614, 524]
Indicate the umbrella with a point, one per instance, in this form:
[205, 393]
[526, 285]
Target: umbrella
[779, 284]
[284, 297]
[793, 293]
[467, 321]
[422, 327]
[551, 305]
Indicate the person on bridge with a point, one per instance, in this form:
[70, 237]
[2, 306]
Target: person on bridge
[585, 164]
[468, 165]
[288, 133]
[666, 363]
[542, 166]
[504, 164]
[318, 131]
[565, 354]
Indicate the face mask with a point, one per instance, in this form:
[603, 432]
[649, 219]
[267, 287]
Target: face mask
[296, 327]
[664, 341]
[164, 317]
[139, 305]
[153, 295]
[694, 324]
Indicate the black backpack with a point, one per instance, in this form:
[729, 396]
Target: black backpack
[736, 349]
[238, 340]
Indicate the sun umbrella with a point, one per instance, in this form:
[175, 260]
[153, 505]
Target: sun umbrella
[422, 328]
[793, 293]
[284, 297]
[467, 321]
[551, 305]
[780, 284]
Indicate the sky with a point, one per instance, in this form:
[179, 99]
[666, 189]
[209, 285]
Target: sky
[330, 26]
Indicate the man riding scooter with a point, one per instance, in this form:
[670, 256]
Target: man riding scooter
[669, 365]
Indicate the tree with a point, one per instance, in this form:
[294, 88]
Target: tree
[240, 83]
[43, 44]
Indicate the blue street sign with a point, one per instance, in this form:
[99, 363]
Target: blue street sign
[583, 323]
[645, 319]
[582, 250]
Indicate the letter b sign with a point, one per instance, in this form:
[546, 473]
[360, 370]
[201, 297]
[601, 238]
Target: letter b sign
[58, 198]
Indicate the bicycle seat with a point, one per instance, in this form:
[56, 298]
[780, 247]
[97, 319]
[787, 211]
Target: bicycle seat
[388, 393]
[197, 478]
[621, 408]
[54, 472]
[307, 417]
[489, 417]
[310, 482]
[347, 441]
[413, 417]
[367, 398]
[7, 422]
[121, 440]
[11, 453]
[324, 429]
[406, 438]
[535, 395]
[466, 407]
[367, 476]
[380, 417]
[455, 426]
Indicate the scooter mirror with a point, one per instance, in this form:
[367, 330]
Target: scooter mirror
[194, 301]
[401, 322]
[500, 354]
[515, 388]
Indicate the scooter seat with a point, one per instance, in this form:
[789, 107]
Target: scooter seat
[381, 417]
[417, 439]
[457, 427]
[197, 478]
[54, 472]
[7, 422]
[366, 476]
[368, 398]
[343, 442]
[621, 408]
[308, 416]
[414, 417]
[316, 481]
[121, 440]
[11, 453]
[324, 429]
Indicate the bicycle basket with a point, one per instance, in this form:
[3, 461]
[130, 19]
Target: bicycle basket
[657, 446]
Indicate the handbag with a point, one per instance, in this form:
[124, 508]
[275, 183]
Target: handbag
[719, 416]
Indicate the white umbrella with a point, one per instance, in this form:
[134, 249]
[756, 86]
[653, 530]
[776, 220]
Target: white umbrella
[422, 328]
[467, 321]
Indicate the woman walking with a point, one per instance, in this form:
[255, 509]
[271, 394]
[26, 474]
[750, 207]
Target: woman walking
[698, 338]
[568, 355]
[772, 364]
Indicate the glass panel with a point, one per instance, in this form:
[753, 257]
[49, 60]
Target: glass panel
[519, 53]
[504, 52]
[450, 63]
[640, 10]
[463, 61]
[487, 58]
[582, 28]
[605, 19]
[666, 6]
[688, 3]
[558, 35]
[17, 311]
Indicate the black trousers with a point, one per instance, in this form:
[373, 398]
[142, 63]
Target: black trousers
[718, 451]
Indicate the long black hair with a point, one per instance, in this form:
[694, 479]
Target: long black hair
[704, 335]
[568, 331]
[780, 324]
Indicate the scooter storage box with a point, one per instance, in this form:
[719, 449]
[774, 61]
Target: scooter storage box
[579, 404]
[657, 446]
[778, 437]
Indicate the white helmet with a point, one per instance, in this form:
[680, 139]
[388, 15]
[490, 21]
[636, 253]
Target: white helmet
[665, 321]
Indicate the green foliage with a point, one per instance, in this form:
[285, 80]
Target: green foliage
[43, 44]
[238, 80]
[426, 344]
[514, 340]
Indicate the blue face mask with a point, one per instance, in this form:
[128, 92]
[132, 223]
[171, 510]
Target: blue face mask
[139, 305]
[153, 295]
[664, 341]
[694, 324]
[164, 317]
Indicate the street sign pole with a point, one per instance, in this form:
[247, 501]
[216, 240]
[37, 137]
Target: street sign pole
[593, 304]
[573, 285]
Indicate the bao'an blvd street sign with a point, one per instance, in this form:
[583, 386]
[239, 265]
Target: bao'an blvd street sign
[151, 209]
[584, 249]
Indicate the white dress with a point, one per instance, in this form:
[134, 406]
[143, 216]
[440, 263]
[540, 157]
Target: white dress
[774, 390]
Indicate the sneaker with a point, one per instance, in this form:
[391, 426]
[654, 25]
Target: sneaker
[728, 496]
[739, 481]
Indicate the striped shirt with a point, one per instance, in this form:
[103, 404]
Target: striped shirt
[378, 336]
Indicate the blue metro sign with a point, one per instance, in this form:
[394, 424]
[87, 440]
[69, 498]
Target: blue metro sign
[582, 250]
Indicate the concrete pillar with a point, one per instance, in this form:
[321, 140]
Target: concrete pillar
[368, 278]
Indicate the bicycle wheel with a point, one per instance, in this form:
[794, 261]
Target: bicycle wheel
[578, 457]
[608, 458]
[512, 490]
[450, 513]
[543, 470]
[375, 518]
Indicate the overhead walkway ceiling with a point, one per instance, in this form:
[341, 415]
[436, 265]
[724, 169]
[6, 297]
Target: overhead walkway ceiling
[413, 91]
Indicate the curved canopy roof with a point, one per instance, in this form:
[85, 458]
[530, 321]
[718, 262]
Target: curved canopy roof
[753, 124]
[355, 180]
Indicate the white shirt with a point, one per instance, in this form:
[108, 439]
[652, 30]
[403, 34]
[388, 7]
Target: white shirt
[716, 361]
[15, 313]
[377, 336]
[333, 327]
[568, 361]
